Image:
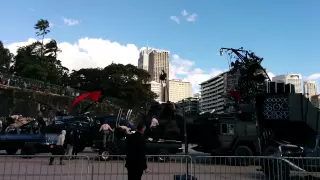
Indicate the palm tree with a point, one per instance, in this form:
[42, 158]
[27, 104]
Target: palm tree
[42, 26]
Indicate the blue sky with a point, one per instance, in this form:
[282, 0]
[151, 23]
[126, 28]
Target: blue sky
[285, 33]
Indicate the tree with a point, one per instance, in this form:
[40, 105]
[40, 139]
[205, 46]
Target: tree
[39, 61]
[43, 29]
[123, 82]
[6, 58]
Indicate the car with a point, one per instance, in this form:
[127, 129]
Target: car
[117, 146]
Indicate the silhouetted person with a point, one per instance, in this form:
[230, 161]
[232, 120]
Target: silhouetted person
[136, 161]
[41, 123]
[77, 141]
[59, 148]
[70, 141]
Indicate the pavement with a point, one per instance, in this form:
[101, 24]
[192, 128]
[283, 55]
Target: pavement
[83, 168]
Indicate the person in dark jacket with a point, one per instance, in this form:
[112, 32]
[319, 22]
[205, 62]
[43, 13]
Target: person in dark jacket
[136, 161]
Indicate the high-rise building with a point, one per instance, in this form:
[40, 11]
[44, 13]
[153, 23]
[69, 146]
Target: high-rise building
[158, 61]
[294, 79]
[310, 88]
[179, 90]
[315, 100]
[189, 105]
[213, 92]
[143, 61]
[156, 88]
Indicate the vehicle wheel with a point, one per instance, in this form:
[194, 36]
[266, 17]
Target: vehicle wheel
[28, 151]
[11, 151]
[104, 155]
[242, 151]
[163, 155]
[273, 167]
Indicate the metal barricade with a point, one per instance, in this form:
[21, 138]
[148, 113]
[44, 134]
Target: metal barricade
[159, 167]
[270, 168]
[38, 168]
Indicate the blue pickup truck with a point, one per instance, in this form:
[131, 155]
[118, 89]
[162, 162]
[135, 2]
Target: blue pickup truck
[29, 144]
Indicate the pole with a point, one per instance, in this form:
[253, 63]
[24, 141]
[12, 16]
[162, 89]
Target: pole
[185, 137]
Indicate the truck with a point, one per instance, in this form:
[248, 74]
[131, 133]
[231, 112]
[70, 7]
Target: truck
[263, 121]
[29, 144]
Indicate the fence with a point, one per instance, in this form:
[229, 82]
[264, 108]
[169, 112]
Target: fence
[201, 167]
[31, 84]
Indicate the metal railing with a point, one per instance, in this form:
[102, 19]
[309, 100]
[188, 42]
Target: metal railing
[159, 167]
[9, 80]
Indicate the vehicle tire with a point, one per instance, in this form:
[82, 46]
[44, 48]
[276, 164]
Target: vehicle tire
[273, 167]
[28, 150]
[11, 151]
[104, 155]
[242, 151]
[163, 155]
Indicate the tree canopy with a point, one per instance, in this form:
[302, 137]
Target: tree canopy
[39, 61]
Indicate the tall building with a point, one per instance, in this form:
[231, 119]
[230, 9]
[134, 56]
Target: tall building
[213, 90]
[158, 61]
[310, 88]
[315, 100]
[179, 90]
[143, 61]
[189, 105]
[294, 79]
[156, 88]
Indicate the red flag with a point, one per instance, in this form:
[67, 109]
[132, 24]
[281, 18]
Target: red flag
[234, 93]
[94, 96]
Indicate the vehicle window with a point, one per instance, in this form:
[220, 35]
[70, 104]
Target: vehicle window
[227, 129]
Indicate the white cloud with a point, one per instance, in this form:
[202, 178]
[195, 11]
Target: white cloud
[192, 17]
[70, 22]
[271, 75]
[184, 13]
[88, 52]
[313, 77]
[185, 68]
[91, 53]
[175, 19]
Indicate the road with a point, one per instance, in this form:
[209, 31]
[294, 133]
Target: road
[17, 168]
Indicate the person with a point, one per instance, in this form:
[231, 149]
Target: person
[105, 129]
[154, 122]
[136, 161]
[125, 129]
[1, 126]
[59, 148]
[77, 140]
[70, 141]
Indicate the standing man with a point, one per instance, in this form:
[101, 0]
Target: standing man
[59, 148]
[77, 140]
[70, 141]
[105, 129]
[136, 161]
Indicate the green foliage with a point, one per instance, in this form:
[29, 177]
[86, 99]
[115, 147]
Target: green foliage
[123, 82]
[123, 85]
[6, 58]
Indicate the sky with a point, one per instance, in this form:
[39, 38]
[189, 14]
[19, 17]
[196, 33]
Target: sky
[98, 32]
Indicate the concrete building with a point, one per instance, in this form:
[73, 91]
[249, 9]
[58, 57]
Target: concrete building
[213, 90]
[294, 79]
[143, 61]
[310, 88]
[189, 105]
[158, 61]
[156, 88]
[315, 100]
[179, 90]
[154, 61]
